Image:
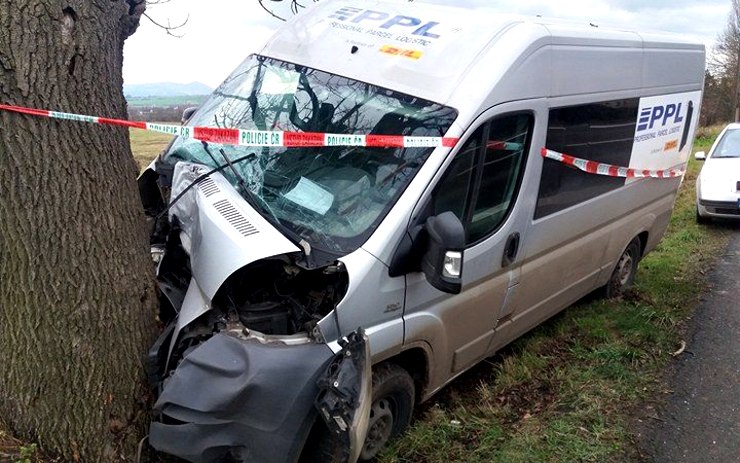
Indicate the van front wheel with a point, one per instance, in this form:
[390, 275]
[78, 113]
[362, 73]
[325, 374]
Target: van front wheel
[390, 412]
[393, 398]
[624, 273]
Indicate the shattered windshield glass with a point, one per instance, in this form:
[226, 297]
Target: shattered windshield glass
[332, 197]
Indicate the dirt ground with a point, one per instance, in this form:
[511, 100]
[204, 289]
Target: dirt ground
[700, 422]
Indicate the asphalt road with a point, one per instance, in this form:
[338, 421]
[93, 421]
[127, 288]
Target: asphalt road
[701, 420]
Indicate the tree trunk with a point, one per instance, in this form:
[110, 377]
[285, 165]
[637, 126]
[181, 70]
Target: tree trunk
[77, 298]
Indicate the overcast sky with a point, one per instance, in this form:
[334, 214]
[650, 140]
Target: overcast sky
[219, 34]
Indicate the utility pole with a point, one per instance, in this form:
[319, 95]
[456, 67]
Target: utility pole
[737, 80]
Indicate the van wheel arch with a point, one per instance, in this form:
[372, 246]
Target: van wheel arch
[416, 363]
[643, 237]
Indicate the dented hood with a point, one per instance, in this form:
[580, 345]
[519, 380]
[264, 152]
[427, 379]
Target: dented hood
[220, 231]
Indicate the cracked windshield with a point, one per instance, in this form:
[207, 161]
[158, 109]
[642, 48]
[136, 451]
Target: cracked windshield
[332, 197]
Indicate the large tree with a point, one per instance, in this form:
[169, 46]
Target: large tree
[77, 298]
[722, 91]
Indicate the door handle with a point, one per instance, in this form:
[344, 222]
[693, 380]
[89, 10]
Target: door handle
[510, 249]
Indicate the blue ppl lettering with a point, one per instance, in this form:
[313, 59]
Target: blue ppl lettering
[662, 114]
[385, 21]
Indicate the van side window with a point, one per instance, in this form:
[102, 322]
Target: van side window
[601, 132]
[453, 193]
[480, 185]
[502, 163]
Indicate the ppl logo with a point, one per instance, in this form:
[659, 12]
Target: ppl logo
[359, 15]
[670, 113]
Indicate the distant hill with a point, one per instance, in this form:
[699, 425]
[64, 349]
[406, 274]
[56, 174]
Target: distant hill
[165, 89]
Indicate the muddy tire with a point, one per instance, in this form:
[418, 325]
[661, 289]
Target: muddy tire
[390, 414]
[624, 273]
[701, 219]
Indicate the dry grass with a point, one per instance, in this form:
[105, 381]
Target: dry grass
[147, 145]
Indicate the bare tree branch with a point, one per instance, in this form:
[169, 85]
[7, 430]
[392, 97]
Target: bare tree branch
[270, 11]
[722, 82]
[294, 6]
[169, 27]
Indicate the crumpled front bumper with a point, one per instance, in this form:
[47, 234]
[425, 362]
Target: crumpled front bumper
[240, 400]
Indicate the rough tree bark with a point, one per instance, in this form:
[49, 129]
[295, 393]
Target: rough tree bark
[76, 291]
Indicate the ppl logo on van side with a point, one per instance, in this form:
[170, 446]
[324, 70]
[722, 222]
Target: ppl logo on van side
[359, 15]
[649, 116]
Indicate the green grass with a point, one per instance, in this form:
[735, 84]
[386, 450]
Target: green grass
[570, 390]
[147, 145]
[705, 136]
[13, 450]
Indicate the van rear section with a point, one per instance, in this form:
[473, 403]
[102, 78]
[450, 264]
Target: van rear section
[412, 187]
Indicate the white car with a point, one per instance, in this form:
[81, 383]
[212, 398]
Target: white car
[718, 185]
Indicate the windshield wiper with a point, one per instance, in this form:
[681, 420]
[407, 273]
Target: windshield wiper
[253, 199]
[238, 176]
[258, 202]
[200, 179]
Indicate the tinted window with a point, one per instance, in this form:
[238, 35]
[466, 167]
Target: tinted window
[453, 193]
[500, 173]
[481, 183]
[601, 132]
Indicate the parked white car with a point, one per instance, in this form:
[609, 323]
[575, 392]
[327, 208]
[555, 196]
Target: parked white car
[718, 185]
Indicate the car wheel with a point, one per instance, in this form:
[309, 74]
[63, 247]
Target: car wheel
[700, 219]
[390, 414]
[624, 273]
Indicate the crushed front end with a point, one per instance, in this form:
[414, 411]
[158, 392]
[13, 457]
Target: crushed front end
[251, 244]
[242, 367]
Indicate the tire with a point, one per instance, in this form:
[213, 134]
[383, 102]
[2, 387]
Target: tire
[390, 414]
[701, 219]
[624, 272]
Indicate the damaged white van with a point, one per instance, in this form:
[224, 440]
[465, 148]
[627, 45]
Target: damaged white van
[313, 295]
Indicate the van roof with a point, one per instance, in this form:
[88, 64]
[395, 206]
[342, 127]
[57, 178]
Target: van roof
[426, 50]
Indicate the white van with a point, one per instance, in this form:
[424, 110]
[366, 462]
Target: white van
[313, 295]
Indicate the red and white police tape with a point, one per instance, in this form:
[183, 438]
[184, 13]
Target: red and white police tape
[315, 139]
[599, 168]
[252, 137]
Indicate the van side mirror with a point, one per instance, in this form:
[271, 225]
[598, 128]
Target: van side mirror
[443, 258]
[700, 155]
[187, 113]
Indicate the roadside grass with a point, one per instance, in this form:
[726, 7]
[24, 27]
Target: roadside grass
[13, 450]
[146, 145]
[571, 389]
[705, 136]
